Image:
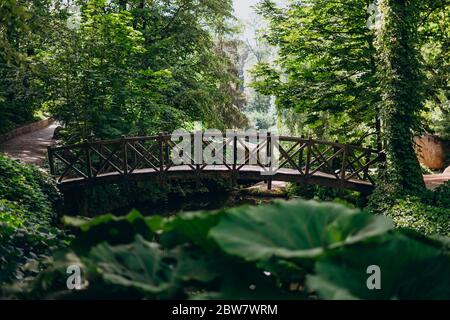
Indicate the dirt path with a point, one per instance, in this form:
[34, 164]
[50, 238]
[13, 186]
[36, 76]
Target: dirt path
[435, 180]
[432, 181]
[30, 148]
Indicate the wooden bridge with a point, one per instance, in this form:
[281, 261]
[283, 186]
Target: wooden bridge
[303, 161]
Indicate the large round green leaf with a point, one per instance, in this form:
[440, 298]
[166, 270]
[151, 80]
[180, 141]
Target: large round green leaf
[148, 269]
[408, 269]
[111, 229]
[191, 227]
[294, 229]
[140, 265]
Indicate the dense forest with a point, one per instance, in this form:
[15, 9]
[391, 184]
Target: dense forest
[372, 74]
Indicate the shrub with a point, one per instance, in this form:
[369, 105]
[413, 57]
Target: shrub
[425, 169]
[411, 212]
[441, 196]
[24, 244]
[310, 192]
[428, 212]
[30, 188]
[28, 199]
[383, 198]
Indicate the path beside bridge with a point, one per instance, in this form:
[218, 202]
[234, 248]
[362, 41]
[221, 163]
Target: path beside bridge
[30, 148]
[435, 180]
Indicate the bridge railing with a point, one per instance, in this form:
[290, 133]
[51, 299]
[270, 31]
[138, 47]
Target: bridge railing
[128, 156]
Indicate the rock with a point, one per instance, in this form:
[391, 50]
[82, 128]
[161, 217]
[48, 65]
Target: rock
[431, 151]
[260, 189]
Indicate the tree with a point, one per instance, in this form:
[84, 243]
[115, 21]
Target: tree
[434, 37]
[13, 19]
[188, 39]
[136, 67]
[401, 82]
[233, 101]
[22, 35]
[257, 51]
[97, 86]
[326, 67]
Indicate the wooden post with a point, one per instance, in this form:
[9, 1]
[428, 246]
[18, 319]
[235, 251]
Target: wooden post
[88, 159]
[235, 141]
[269, 158]
[344, 165]
[125, 156]
[333, 163]
[198, 155]
[167, 152]
[366, 170]
[308, 157]
[135, 154]
[51, 160]
[161, 159]
[300, 155]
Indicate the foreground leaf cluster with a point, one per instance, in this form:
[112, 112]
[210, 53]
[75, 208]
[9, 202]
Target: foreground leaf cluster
[287, 250]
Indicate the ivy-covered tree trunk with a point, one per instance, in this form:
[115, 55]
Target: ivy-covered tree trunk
[401, 86]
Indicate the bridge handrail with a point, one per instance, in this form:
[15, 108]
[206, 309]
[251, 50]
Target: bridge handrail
[167, 136]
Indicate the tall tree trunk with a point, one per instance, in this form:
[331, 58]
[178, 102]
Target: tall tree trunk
[401, 83]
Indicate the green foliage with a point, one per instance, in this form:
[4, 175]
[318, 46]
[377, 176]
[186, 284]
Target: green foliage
[253, 254]
[425, 170]
[140, 266]
[402, 83]
[111, 229]
[29, 187]
[261, 120]
[411, 268]
[28, 203]
[119, 67]
[428, 213]
[307, 230]
[24, 243]
[434, 36]
[315, 192]
[354, 70]
[102, 89]
[21, 28]
[427, 219]
[326, 67]
[13, 16]
[137, 68]
[441, 195]
[383, 198]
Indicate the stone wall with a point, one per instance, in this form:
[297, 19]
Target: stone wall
[432, 151]
[26, 129]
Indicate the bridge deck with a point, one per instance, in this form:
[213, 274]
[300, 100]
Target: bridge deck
[246, 173]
